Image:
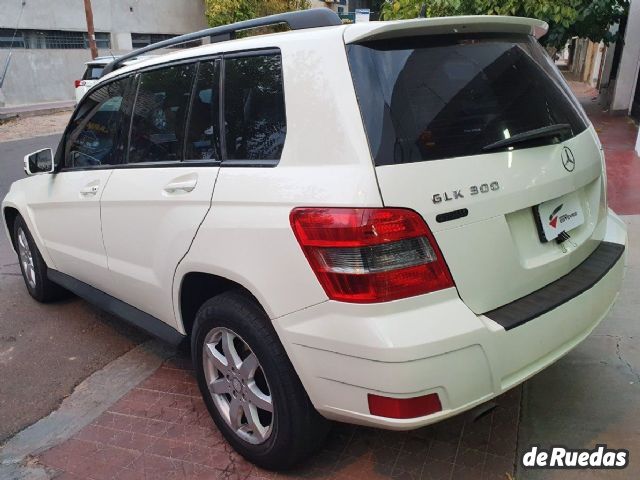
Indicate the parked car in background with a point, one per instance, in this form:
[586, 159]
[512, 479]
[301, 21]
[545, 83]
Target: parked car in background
[385, 223]
[92, 73]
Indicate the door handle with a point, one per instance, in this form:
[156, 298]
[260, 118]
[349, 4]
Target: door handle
[90, 190]
[184, 186]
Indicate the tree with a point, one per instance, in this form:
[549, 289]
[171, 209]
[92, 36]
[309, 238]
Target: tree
[223, 12]
[566, 18]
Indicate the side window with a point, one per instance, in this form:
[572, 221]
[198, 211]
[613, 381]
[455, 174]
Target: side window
[203, 137]
[159, 114]
[96, 129]
[255, 122]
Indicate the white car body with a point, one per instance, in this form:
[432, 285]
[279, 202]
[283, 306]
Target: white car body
[138, 241]
[91, 75]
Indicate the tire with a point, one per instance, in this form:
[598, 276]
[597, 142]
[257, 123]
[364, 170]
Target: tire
[33, 266]
[280, 439]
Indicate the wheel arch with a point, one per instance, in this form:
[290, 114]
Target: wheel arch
[10, 214]
[198, 287]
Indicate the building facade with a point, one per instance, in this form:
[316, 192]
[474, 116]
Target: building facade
[47, 44]
[339, 6]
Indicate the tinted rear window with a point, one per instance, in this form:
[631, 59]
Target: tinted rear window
[254, 108]
[448, 96]
[93, 72]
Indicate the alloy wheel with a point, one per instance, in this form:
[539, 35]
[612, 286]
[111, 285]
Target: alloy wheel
[26, 259]
[238, 385]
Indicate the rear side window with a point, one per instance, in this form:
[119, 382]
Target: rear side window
[448, 96]
[254, 108]
[160, 113]
[99, 124]
[93, 72]
[203, 137]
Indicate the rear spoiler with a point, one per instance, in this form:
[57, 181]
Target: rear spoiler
[361, 32]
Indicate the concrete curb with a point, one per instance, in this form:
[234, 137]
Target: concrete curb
[87, 402]
[8, 113]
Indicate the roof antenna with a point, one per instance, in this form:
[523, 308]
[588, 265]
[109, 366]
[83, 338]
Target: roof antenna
[423, 10]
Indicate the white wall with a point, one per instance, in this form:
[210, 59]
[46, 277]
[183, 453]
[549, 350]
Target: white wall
[47, 75]
[43, 75]
[147, 16]
[629, 62]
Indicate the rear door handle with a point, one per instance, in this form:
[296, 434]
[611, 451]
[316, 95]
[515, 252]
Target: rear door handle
[184, 184]
[90, 190]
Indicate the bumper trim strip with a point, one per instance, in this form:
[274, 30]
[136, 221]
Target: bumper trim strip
[576, 282]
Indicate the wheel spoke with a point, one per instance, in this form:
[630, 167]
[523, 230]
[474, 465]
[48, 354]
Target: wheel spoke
[253, 420]
[235, 413]
[219, 361]
[232, 357]
[248, 367]
[257, 398]
[231, 369]
[220, 386]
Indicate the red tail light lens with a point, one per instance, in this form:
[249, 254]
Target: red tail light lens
[369, 255]
[404, 407]
[78, 83]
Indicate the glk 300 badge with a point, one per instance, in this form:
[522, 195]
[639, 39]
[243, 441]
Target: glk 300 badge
[471, 191]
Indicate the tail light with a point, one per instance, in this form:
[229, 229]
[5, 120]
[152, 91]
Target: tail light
[79, 83]
[369, 255]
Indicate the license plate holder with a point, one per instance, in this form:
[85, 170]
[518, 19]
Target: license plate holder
[561, 214]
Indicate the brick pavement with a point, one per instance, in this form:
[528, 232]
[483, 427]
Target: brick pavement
[162, 430]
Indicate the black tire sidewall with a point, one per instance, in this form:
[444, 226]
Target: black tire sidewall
[246, 318]
[38, 262]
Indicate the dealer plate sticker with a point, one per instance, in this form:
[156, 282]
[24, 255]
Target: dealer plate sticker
[559, 215]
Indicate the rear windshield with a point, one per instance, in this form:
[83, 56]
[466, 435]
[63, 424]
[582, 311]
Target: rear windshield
[93, 72]
[446, 96]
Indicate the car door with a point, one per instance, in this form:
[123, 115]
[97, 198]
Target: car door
[66, 205]
[153, 205]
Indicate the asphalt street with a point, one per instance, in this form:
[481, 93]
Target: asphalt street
[42, 361]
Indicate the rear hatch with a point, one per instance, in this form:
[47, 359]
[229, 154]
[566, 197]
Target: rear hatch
[479, 133]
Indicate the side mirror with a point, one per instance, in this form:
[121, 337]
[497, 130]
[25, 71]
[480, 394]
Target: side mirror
[39, 162]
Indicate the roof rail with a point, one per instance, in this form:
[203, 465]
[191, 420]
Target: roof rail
[300, 20]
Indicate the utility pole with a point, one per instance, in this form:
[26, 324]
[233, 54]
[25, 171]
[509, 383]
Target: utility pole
[90, 30]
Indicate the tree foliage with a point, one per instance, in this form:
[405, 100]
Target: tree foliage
[223, 12]
[566, 18]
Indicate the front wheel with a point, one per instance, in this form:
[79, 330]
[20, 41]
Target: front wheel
[33, 266]
[249, 385]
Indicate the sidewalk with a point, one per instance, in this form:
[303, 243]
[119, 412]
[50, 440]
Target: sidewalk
[161, 429]
[23, 128]
[618, 136]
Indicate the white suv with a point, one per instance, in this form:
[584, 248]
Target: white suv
[384, 224]
[92, 73]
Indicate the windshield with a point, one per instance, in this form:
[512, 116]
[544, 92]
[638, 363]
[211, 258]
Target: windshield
[437, 97]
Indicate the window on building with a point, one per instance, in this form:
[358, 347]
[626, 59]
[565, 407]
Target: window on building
[54, 39]
[159, 114]
[203, 139]
[139, 40]
[254, 108]
[11, 39]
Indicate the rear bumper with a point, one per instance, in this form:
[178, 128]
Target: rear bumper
[433, 344]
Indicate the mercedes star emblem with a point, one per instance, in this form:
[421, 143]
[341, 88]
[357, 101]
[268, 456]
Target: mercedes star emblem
[568, 160]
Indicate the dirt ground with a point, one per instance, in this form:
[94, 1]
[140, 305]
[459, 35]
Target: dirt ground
[29, 127]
